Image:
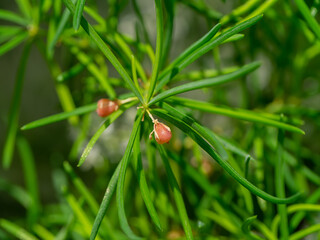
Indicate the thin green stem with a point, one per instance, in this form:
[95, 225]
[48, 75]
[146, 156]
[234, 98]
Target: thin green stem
[15, 108]
[225, 165]
[106, 51]
[78, 14]
[177, 194]
[280, 187]
[122, 174]
[159, 43]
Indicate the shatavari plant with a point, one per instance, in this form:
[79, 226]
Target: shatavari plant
[178, 177]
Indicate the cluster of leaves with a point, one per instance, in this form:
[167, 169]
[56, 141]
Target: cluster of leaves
[208, 206]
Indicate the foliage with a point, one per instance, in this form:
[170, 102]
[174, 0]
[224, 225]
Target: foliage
[256, 177]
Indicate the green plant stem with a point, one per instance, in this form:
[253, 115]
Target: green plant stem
[159, 44]
[225, 165]
[145, 193]
[270, 120]
[13, 120]
[280, 187]
[106, 51]
[16, 230]
[78, 14]
[120, 185]
[60, 117]
[30, 176]
[205, 48]
[105, 202]
[305, 232]
[206, 82]
[177, 194]
[110, 119]
[305, 11]
[246, 228]
[301, 208]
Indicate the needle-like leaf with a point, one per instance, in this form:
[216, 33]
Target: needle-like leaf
[110, 119]
[12, 17]
[15, 108]
[176, 193]
[206, 82]
[120, 186]
[60, 116]
[106, 51]
[201, 50]
[177, 121]
[143, 184]
[235, 113]
[105, 202]
[305, 11]
[78, 14]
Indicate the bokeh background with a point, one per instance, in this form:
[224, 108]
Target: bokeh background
[288, 82]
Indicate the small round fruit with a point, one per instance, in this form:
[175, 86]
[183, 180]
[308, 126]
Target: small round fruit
[105, 107]
[162, 132]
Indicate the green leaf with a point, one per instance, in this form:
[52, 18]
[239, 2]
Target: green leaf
[145, 193]
[177, 193]
[206, 82]
[207, 133]
[300, 207]
[16, 230]
[89, 198]
[105, 202]
[119, 39]
[159, 46]
[57, 33]
[120, 186]
[235, 113]
[106, 51]
[95, 71]
[78, 14]
[72, 72]
[43, 233]
[79, 212]
[232, 147]
[196, 176]
[7, 32]
[19, 38]
[25, 7]
[95, 15]
[280, 172]
[305, 11]
[60, 116]
[16, 192]
[12, 17]
[305, 232]
[203, 143]
[191, 49]
[15, 109]
[79, 184]
[234, 38]
[205, 48]
[31, 181]
[110, 119]
[246, 228]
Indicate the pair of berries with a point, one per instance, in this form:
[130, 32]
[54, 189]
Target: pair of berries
[162, 132]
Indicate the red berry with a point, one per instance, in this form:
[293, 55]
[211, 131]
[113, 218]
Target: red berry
[105, 107]
[162, 132]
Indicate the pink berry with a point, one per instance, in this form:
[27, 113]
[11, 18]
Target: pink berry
[162, 132]
[105, 107]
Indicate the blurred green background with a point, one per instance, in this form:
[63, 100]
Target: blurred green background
[287, 82]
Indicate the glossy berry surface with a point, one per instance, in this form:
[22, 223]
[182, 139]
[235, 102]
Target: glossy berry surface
[105, 107]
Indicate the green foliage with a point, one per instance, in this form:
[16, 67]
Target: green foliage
[254, 175]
